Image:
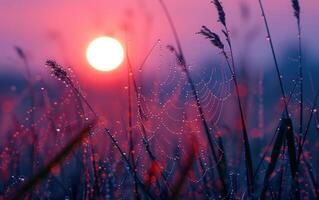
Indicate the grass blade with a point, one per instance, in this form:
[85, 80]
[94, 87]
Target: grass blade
[57, 160]
[275, 154]
[184, 173]
[291, 148]
[269, 38]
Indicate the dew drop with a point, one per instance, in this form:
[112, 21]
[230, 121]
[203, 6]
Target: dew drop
[21, 178]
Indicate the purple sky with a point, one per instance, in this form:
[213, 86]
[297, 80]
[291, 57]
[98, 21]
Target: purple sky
[62, 29]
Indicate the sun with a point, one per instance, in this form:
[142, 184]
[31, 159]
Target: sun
[105, 53]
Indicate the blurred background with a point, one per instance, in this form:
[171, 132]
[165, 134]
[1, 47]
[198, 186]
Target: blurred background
[33, 31]
[62, 30]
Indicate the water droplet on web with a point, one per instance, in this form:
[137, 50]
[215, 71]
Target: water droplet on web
[21, 178]
[58, 130]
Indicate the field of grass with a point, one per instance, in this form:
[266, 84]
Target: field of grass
[180, 133]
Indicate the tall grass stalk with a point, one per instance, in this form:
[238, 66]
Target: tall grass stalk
[182, 62]
[130, 124]
[269, 38]
[289, 132]
[296, 7]
[61, 74]
[218, 43]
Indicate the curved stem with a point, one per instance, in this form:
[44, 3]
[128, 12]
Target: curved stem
[248, 158]
[300, 81]
[269, 38]
[182, 61]
[130, 124]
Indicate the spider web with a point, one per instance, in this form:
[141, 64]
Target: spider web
[169, 111]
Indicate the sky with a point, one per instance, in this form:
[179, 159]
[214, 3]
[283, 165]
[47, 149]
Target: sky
[61, 30]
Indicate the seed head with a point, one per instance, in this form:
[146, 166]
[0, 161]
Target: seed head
[213, 37]
[296, 7]
[221, 12]
[57, 70]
